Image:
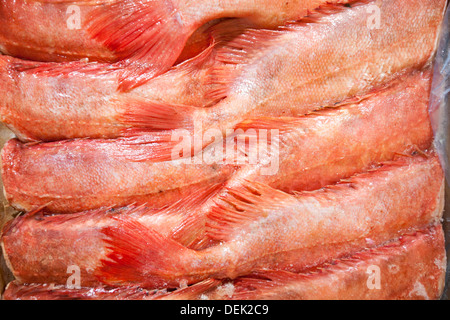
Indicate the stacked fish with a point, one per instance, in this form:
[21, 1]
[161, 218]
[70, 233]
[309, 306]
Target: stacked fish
[221, 150]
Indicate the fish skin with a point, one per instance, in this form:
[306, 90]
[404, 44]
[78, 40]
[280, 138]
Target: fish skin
[411, 268]
[407, 265]
[139, 255]
[261, 57]
[168, 24]
[56, 42]
[274, 82]
[38, 30]
[108, 178]
[324, 147]
[336, 140]
[199, 41]
[56, 101]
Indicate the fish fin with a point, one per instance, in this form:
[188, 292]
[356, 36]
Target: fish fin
[239, 51]
[262, 282]
[325, 9]
[192, 292]
[221, 34]
[242, 205]
[283, 124]
[147, 36]
[153, 116]
[65, 69]
[138, 254]
[225, 32]
[190, 232]
[192, 65]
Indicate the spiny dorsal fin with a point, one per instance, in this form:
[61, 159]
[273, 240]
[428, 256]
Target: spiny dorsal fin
[241, 205]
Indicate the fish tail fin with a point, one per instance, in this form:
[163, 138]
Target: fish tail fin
[147, 36]
[140, 255]
[247, 202]
[146, 115]
[191, 231]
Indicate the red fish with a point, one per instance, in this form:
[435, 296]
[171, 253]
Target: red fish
[314, 151]
[43, 30]
[294, 71]
[50, 31]
[151, 34]
[42, 231]
[55, 101]
[412, 267]
[83, 174]
[266, 228]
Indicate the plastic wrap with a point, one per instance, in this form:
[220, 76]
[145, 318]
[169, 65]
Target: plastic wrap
[440, 93]
[439, 114]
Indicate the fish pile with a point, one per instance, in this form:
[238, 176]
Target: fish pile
[233, 150]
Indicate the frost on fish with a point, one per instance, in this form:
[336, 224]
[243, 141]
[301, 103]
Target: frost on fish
[152, 49]
[278, 76]
[416, 276]
[244, 74]
[141, 255]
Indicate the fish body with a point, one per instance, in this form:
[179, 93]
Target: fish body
[81, 175]
[168, 25]
[66, 38]
[257, 211]
[307, 229]
[44, 230]
[288, 72]
[91, 29]
[50, 31]
[412, 267]
[56, 101]
[314, 150]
